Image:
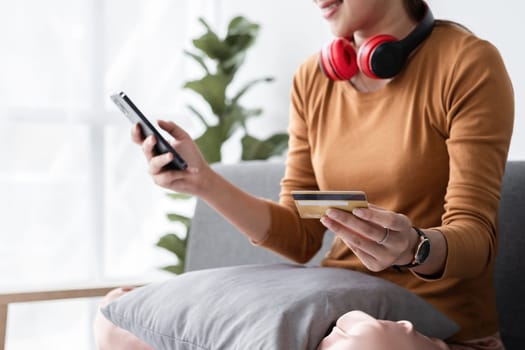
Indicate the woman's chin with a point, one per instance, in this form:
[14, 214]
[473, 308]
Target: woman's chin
[340, 31]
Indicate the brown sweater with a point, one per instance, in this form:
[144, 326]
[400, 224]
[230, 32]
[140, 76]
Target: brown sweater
[432, 145]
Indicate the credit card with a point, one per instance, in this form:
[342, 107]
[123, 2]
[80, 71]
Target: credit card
[313, 204]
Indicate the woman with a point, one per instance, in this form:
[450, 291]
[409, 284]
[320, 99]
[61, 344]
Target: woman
[428, 144]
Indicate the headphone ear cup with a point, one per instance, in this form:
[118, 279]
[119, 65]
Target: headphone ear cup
[365, 56]
[325, 65]
[338, 60]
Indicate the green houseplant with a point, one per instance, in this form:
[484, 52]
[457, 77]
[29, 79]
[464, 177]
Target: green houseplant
[220, 60]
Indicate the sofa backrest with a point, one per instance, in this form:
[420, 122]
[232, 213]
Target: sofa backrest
[214, 242]
[510, 263]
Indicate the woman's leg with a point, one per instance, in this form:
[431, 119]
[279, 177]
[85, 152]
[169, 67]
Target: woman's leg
[110, 337]
[357, 330]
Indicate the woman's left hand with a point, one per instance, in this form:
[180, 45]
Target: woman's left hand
[378, 237]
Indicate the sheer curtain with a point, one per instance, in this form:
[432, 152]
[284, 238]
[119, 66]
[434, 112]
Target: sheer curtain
[72, 185]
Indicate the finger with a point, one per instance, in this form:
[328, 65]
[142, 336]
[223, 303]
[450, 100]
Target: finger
[375, 257]
[353, 238]
[148, 147]
[364, 256]
[170, 179]
[173, 129]
[157, 163]
[136, 134]
[384, 218]
[371, 262]
[174, 143]
[368, 229]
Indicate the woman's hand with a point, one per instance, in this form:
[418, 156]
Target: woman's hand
[251, 215]
[193, 180]
[378, 237]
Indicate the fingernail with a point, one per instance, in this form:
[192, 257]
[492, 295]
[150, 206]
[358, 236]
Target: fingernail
[331, 213]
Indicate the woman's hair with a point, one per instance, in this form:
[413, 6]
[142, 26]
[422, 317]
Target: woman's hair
[415, 8]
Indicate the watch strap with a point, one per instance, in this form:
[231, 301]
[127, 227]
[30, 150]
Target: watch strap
[415, 262]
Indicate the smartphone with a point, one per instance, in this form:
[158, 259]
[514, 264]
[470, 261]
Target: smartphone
[313, 204]
[162, 146]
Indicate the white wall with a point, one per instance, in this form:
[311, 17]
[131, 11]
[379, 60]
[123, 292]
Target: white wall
[294, 29]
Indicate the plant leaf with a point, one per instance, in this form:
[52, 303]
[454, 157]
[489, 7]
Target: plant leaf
[239, 43]
[205, 24]
[176, 269]
[179, 196]
[199, 115]
[253, 148]
[236, 116]
[249, 85]
[241, 25]
[231, 65]
[253, 112]
[186, 221]
[198, 59]
[173, 243]
[210, 44]
[210, 143]
[241, 35]
[213, 89]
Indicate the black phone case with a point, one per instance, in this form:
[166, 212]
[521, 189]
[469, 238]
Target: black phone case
[136, 116]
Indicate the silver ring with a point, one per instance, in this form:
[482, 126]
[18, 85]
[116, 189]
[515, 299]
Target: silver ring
[385, 237]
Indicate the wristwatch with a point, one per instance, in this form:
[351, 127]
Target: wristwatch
[422, 250]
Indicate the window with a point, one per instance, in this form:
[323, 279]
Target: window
[71, 181]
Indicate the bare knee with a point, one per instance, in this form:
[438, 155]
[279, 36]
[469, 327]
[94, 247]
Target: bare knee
[362, 325]
[110, 337]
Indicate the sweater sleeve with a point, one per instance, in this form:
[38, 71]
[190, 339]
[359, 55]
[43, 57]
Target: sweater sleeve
[289, 235]
[480, 111]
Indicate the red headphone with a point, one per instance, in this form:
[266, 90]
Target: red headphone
[380, 57]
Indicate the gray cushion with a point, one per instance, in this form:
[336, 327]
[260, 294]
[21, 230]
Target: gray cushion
[277, 306]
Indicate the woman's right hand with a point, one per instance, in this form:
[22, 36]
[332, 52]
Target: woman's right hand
[251, 215]
[192, 180]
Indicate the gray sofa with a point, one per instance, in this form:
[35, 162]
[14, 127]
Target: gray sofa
[214, 242]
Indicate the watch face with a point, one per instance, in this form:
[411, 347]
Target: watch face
[423, 250]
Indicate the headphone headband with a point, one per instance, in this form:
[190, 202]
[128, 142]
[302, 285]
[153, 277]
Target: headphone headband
[420, 33]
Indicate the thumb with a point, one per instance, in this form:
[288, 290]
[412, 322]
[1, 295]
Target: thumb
[173, 129]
